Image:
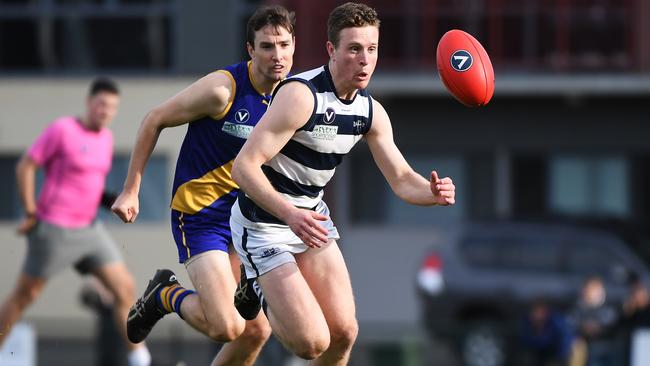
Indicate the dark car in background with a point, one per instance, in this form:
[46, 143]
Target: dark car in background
[477, 282]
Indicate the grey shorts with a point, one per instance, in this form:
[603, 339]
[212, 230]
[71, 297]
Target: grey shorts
[52, 248]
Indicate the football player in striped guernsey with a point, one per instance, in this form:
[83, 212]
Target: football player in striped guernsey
[281, 227]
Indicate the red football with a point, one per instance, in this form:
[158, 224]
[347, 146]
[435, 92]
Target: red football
[465, 68]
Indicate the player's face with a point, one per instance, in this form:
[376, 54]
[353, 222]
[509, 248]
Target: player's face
[102, 108]
[356, 55]
[273, 52]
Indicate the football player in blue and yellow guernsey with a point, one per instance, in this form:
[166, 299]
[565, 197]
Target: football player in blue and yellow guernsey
[221, 110]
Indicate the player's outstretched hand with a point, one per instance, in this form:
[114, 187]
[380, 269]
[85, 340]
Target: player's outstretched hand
[444, 190]
[126, 206]
[304, 223]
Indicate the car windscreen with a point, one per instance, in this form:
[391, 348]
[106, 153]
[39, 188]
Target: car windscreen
[512, 252]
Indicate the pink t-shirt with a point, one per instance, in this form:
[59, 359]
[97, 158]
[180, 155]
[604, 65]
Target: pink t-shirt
[76, 161]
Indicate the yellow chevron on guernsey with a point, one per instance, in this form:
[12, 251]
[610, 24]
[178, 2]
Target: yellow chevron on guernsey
[196, 194]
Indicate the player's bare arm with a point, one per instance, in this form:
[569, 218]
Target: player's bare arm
[25, 177]
[403, 180]
[290, 110]
[208, 96]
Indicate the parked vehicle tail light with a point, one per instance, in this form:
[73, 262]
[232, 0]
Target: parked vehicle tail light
[430, 275]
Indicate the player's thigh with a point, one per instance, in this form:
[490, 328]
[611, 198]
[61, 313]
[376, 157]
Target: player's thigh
[325, 272]
[296, 315]
[211, 275]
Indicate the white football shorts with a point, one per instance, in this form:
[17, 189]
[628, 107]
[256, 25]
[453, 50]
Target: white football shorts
[264, 246]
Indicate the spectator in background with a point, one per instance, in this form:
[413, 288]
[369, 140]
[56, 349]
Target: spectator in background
[546, 336]
[595, 323]
[636, 309]
[636, 314]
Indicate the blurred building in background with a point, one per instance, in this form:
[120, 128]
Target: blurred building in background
[564, 137]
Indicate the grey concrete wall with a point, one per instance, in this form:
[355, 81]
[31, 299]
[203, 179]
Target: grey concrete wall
[27, 105]
[208, 34]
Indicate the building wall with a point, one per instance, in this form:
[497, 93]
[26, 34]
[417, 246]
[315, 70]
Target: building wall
[383, 240]
[147, 246]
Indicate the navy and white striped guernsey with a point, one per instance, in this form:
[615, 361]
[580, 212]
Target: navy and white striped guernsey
[308, 161]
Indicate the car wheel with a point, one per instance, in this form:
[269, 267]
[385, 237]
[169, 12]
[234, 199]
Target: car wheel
[482, 345]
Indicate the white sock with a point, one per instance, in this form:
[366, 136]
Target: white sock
[139, 357]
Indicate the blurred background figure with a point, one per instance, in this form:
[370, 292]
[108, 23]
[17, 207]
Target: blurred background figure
[636, 322]
[595, 323]
[61, 227]
[546, 336]
[636, 309]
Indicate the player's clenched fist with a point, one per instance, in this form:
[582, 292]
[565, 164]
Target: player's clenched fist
[444, 190]
[126, 207]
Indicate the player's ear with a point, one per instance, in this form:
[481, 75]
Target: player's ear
[330, 49]
[250, 49]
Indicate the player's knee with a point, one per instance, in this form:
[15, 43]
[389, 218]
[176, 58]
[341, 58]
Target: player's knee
[225, 332]
[257, 332]
[311, 348]
[343, 337]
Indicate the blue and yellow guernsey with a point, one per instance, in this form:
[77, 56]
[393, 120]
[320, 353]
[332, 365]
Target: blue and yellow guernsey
[203, 185]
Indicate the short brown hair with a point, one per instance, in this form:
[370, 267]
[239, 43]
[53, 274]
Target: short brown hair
[274, 15]
[349, 15]
[103, 84]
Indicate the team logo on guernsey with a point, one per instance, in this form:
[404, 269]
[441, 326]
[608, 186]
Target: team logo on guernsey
[461, 60]
[325, 132]
[329, 115]
[237, 130]
[242, 116]
[358, 126]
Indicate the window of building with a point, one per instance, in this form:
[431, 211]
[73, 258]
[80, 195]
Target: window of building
[155, 191]
[90, 35]
[594, 186]
[10, 207]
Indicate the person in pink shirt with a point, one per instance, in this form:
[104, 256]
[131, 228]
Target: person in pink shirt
[61, 226]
